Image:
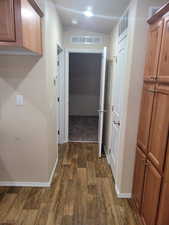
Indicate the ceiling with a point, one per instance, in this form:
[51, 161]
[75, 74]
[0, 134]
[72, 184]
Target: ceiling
[106, 13]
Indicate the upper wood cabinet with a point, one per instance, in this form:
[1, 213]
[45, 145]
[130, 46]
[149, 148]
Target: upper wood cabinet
[153, 51]
[163, 70]
[159, 127]
[7, 20]
[151, 195]
[145, 116]
[20, 26]
[139, 177]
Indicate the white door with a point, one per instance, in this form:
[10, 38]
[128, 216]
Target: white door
[118, 94]
[102, 93]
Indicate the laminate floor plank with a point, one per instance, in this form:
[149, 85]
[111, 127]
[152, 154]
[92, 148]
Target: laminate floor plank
[82, 193]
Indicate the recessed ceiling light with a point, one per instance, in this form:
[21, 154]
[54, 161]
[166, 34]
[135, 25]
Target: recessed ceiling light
[74, 22]
[88, 12]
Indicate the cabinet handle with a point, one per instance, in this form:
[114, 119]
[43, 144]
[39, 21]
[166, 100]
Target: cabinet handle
[147, 164]
[152, 78]
[151, 91]
[143, 160]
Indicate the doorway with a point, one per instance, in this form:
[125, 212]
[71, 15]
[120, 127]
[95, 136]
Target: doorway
[84, 95]
[84, 104]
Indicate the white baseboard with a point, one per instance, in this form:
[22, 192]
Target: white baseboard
[53, 171]
[30, 184]
[122, 195]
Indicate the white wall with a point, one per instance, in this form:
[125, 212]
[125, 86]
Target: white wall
[28, 144]
[84, 84]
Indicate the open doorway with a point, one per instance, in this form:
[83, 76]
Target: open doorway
[84, 96]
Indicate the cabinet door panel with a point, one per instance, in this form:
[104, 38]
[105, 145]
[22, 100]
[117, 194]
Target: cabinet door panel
[145, 116]
[7, 18]
[151, 195]
[153, 51]
[139, 177]
[163, 215]
[163, 71]
[159, 128]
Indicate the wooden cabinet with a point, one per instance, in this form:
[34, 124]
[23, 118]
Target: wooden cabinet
[7, 20]
[163, 215]
[139, 178]
[151, 195]
[154, 44]
[20, 26]
[159, 128]
[163, 71]
[151, 176]
[145, 116]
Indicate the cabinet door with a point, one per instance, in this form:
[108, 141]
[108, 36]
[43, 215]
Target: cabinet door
[153, 51]
[145, 116]
[159, 128]
[7, 18]
[151, 195]
[163, 71]
[163, 215]
[138, 177]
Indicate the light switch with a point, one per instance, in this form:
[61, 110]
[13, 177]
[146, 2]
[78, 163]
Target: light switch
[19, 100]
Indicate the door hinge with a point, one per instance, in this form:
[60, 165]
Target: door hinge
[115, 58]
[58, 99]
[58, 132]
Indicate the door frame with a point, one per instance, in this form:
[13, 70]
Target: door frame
[67, 52]
[60, 94]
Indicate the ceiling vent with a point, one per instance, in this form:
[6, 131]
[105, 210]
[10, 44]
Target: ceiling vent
[86, 40]
[153, 10]
[123, 26]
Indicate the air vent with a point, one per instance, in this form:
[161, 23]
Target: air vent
[153, 10]
[86, 40]
[123, 23]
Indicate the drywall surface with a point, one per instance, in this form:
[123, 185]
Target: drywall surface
[28, 143]
[84, 83]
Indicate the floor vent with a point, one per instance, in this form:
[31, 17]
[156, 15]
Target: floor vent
[86, 40]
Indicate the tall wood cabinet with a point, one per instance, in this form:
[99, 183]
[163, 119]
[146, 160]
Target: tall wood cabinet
[20, 26]
[151, 176]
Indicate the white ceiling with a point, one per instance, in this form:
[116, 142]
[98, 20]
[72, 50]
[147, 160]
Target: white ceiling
[106, 13]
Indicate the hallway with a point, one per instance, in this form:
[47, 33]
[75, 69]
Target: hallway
[81, 194]
[83, 128]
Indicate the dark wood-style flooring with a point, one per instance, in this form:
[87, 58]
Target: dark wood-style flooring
[82, 193]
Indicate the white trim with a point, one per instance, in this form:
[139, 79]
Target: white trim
[60, 93]
[30, 184]
[66, 101]
[53, 171]
[94, 142]
[122, 195]
[23, 184]
[24, 52]
[83, 50]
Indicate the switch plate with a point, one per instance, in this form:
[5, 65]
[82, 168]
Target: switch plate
[19, 100]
